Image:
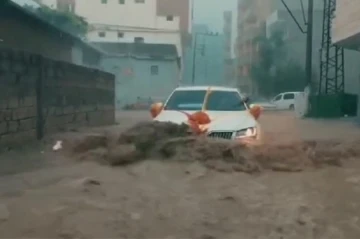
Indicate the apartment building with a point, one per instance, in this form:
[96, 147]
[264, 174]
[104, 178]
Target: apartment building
[182, 9]
[228, 50]
[252, 15]
[126, 21]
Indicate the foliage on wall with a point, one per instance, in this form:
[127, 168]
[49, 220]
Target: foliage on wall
[273, 71]
[65, 20]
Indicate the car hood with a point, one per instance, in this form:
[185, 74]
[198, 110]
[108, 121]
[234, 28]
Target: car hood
[220, 120]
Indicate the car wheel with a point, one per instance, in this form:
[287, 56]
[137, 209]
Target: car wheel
[291, 107]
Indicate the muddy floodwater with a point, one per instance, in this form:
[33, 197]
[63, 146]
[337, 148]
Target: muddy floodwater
[154, 181]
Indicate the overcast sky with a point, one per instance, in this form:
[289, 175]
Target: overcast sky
[210, 12]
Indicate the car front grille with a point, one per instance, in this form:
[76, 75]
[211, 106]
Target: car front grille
[221, 135]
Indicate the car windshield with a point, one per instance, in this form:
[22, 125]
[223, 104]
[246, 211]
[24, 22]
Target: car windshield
[192, 100]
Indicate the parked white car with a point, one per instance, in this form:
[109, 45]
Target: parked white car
[230, 116]
[285, 100]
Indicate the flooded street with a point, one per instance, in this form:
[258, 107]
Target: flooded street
[187, 199]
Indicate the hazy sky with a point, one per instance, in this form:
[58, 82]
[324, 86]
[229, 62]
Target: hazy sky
[210, 12]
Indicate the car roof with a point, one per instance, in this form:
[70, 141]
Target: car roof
[291, 92]
[218, 88]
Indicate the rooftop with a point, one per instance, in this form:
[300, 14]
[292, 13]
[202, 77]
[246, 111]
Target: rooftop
[8, 5]
[140, 50]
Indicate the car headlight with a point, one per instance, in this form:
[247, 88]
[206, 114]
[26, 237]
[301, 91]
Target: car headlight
[248, 132]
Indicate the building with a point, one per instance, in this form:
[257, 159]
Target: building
[228, 48]
[346, 33]
[146, 71]
[204, 58]
[126, 21]
[346, 24]
[252, 15]
[21, 29]
[182, 9]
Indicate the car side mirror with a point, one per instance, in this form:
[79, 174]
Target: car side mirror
[155, 109]
[255, 111]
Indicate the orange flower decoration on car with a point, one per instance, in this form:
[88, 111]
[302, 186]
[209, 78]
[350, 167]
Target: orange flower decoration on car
[198, 122]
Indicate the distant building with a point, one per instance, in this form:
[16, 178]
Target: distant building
[228, 49]
[142, 70]
[208, 53]
[252, 15]
[21, 29]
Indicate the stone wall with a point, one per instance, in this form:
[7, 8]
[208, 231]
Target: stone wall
[39, 96]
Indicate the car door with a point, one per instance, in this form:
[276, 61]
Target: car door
[277, 101]
[288, 101]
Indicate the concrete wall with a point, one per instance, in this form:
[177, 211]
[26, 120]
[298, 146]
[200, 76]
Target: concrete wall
[134, 78]
[347, 21]
[38, 95]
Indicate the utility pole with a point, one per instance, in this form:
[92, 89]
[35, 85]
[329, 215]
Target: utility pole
[309, 44]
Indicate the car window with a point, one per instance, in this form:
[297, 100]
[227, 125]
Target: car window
[277, 98]
[193, 100]
[289, 96]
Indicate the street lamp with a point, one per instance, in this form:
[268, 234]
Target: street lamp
[195, 50]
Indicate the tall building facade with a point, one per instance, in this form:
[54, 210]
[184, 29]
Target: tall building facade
[252, 15]
[228, 48]
[204, 57]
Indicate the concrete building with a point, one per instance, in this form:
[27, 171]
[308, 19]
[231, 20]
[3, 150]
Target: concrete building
[17, 31]
[208, 53]
[228, 48]
[346, 33]
[182, 9]
[141, 70]
[126, 21]
[346, 24]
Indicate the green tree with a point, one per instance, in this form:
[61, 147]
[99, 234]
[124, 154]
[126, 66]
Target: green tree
[273, 72]
[65, 20]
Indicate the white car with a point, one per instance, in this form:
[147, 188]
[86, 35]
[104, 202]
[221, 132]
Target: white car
[285, 100]
[229, 113]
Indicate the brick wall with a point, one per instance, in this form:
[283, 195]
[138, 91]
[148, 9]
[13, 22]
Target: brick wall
[39, 96]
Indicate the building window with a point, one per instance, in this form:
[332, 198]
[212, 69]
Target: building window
[103, 1]
[139, 1]
[170, 18]
[102, 34]
[154, 70]
[138, 39]
[120, 34]
[121, 1]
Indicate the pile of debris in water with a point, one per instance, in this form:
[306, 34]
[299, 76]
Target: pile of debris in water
[168, 141]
